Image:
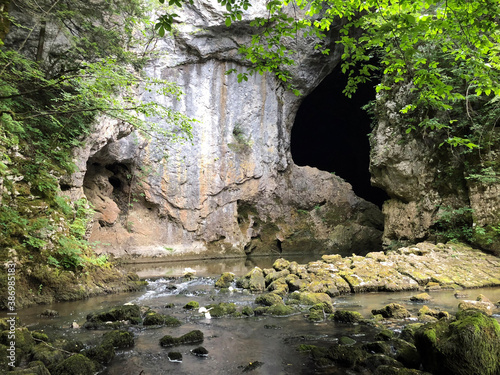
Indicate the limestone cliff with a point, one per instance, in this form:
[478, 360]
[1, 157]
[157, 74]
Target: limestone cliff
[232, 190]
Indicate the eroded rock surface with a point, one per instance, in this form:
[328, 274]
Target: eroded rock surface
[234, 189]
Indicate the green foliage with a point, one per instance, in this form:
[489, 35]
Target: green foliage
[455, 224]
[52, 91]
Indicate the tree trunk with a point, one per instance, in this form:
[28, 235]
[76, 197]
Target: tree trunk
[41, 42]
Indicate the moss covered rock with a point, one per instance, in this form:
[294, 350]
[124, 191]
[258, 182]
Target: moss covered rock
[280, 310]
[192, 305]
[225, 280]
[34, 368]
[193, 337]
[393, 311]
[77, 364]
[269, 299]
[253, 280]
[308, 298]
[153, 318]
[46, 355]
[103, 353]
[344, 316]
[24, 343]
[119, 339]
[130, 313]
[222, 309]
[470, 345]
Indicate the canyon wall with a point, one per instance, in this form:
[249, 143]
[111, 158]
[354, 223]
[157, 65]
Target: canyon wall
[233, 189]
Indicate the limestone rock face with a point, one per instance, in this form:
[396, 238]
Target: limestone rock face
[423, 180]
[233, 189]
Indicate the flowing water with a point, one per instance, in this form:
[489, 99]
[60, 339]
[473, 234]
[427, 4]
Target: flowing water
[269, 343]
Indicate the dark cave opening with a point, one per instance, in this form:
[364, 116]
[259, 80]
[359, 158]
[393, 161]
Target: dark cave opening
[330, 133]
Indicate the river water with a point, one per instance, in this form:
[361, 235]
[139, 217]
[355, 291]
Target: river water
[232, 343]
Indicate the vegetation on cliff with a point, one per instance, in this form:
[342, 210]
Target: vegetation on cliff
[64, 65]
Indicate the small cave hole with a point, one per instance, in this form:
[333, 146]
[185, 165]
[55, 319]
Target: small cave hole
[278, 246]
[330, 133]
[115, 182]
[65, 187]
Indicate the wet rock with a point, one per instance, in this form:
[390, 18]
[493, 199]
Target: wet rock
[49, 313]
[102, 354]
[426, 311]
[77, 364]
[309, 298]
[247, 311]
[119, 339]
[344, 340]
[48, 356]
[34, 368]
[377, 347]
[295, 283]
[253, 280]
[376, 360]
[393, 311]
[37, 335]
[281, 264]
[279, 310]
[174, 357]
[346, 356]
[345, 316]
[200, 351]
[193, 337]
[408, 332]
[222, 309]
[225, 280]
[279, 286]
[275, 275]
[192, 305]
[129, 313]
[384, 335]
[485, 307]
[320, 311]
[153, 318]
[470, 345]
[406, 353]
[169, 305]
[24, 343]
[422, 297]
[269, 299]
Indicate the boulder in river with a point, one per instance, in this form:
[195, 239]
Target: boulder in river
[469, 345]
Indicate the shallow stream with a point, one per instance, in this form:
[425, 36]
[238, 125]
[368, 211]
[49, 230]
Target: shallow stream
[232, 343]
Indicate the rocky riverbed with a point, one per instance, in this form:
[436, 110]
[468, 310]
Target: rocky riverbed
[296, 311]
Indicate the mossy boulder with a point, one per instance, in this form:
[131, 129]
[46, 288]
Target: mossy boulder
[393, 311]
[279, 286]
[470, 345]
[253, 280]
[174, 356]
[77, 364]
[345, 355]
[422, 297]
[275, 275]
[24, 342]
[193, 337]
[119, 339]
[308, 298]
[130, 313]
[102, 353]
[192, 305]
[405, 353]
[377, 347]
[384, 335]
[374, 361]
[281, 264]
[320, 311]
[153, 318]
[269, 299]
[408, 332]
[225, 280]
[222, 309]
[344, 316]
[46, 355]
[280, 310]
[247, 311]
[485, 307]
[34, 368]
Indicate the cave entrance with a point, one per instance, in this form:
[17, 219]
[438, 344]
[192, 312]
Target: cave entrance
[330, 133]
